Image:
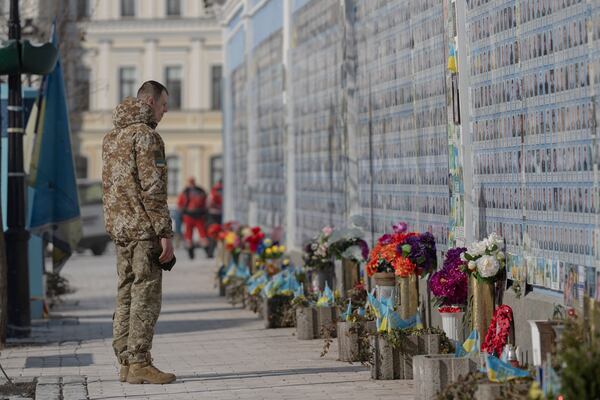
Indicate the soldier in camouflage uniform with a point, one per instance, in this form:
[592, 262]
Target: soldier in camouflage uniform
[134, 178]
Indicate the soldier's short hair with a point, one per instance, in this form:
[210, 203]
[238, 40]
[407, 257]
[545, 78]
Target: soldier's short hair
[151, 88]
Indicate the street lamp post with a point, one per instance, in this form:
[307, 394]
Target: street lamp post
[17, 237]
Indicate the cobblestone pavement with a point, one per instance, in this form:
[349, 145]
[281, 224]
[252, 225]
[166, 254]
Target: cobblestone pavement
[217, 351]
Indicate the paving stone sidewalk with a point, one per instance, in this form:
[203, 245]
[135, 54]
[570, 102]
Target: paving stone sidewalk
[216, 351]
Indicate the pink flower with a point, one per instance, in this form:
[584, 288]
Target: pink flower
[400, 227]
[327, 230]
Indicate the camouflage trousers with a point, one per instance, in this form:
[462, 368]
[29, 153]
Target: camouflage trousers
[138, 300]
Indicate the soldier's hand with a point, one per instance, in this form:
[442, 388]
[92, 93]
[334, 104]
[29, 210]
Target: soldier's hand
[167, 250]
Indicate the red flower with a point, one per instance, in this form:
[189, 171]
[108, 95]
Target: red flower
[450, 309]
[498, 331]
[255, 239]
[214, 231]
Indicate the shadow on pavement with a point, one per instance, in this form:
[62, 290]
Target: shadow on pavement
[58, 360]
[281, 372]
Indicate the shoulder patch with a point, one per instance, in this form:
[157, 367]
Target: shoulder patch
[159, 160]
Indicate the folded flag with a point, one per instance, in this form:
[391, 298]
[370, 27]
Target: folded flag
[499, 371]
[418, 321]
[326, 299]
[392, 321]
[375, 306]
[470, 346]
[348, 313]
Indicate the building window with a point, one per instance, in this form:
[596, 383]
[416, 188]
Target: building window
[216, 169]
[83, 9]
[173, 175]
[173, 8]
[173, 78]
[82, 89]
[126, 82]
[216, 76]
[127, 8]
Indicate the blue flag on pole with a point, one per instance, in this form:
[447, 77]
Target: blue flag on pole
[55, 204]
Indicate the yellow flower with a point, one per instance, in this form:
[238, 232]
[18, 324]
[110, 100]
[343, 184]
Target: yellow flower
[286, 262]
[268, 251]
[230, 238]
[268, 242]
[535, 393]
[281, 249]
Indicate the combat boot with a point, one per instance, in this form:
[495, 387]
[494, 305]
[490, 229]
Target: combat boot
[123, 372]
[145, 372]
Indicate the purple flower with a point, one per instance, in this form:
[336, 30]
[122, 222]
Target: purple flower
[364, 248]
[417, 250]
[427, 240]
[386, 239]
[450, 284]
[400, 227]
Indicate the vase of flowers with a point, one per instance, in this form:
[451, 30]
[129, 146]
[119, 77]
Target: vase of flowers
[485, 263]
[452, 322]
[406, 255]
[419, 254]
[450, 288]
[318, 260]
[350, 251]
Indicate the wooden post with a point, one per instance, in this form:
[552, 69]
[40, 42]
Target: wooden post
[409, 295]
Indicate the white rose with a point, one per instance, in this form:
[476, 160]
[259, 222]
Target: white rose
[477, 249]
[493, 240]
[472, 265]
[487, 266]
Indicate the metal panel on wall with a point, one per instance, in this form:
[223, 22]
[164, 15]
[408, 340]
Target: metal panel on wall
[403, 156]
[270, 113]
[241, 193]
[316, 59]
[533, 126]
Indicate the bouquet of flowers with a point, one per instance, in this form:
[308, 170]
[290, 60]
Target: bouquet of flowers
[404, 253]
[316, 251]
[484, 259]
[268, 253]
[450, 284]
[348, 244]
[254, 238]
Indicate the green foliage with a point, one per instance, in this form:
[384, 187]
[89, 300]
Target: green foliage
[399, 337]
[465, 388]
[579, 358]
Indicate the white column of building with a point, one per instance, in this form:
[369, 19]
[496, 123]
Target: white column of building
[103, 83]
[150, 60]
[194, 90]
[195, 9]
[102, 10]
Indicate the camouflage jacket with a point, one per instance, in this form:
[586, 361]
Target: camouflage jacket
[134, 176]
